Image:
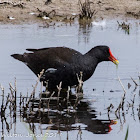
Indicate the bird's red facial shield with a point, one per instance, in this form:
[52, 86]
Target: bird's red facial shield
[112, 58]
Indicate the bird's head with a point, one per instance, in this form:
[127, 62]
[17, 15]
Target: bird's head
[103, 53]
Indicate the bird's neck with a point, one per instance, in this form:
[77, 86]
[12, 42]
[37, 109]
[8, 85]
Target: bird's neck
[91, 58]
[90, 63]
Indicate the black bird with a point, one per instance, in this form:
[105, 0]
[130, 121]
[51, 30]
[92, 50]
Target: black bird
[63, 64]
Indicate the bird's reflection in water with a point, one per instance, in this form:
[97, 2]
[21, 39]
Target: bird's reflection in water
[67, 115]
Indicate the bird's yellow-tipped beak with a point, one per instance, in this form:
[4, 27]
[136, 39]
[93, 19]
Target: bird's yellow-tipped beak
[112, 58]
[116, 62]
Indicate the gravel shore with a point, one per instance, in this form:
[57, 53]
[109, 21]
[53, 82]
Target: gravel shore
[35, 11]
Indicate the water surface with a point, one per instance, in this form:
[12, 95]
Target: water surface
[91, 118]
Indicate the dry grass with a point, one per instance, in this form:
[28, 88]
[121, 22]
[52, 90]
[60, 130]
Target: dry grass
[85, 10]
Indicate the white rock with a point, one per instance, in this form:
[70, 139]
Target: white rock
[44, 17]
[32, 13]
[11, 18]
[74, 14]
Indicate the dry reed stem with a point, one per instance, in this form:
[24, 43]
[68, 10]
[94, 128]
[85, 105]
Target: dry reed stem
[85, 10]
[34, 88]
[121, 84]
[80, 81]
[2, 88]
[7, 101]
[68, 95]
[59, 90]
[11, 86]
[12, 90]
[40, 108]
[49, 101]
[15, 84]
[41, 87]
[121, 105]
[20, 102]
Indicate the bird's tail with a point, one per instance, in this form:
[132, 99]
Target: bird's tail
[19, 57]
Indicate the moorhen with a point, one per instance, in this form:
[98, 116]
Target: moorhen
[63, 64]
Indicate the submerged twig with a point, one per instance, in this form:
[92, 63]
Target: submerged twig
[133, 101]
[124, 26]
[121, 105]
[109, 109]
[134, 82]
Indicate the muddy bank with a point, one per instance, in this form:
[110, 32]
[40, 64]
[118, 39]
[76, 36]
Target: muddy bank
[26, 11]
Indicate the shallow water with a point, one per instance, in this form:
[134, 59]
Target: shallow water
[101, 90]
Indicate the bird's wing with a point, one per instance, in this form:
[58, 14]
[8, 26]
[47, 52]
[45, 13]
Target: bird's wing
[35, 50]
[43, 60]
